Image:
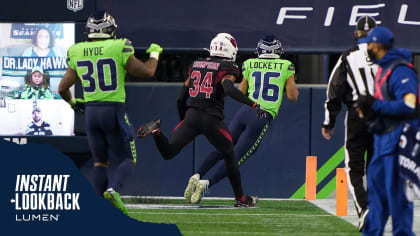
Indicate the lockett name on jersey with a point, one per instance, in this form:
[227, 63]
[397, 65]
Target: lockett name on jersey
[266, 65]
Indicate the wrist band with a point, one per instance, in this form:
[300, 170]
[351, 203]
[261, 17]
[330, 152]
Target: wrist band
[154, 55]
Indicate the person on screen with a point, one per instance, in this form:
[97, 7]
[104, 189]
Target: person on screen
[43, 45]
[37, 125]
[37, 86]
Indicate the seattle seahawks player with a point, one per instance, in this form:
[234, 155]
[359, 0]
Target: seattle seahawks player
[209, 80]
[102, 63]
[265, 79]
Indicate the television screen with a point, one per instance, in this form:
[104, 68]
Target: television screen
[32, 63]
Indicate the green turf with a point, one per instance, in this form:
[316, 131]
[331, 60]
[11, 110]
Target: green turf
[270, 218]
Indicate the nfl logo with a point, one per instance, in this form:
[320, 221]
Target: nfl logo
[75, 5]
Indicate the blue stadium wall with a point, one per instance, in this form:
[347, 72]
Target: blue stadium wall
[276, 170]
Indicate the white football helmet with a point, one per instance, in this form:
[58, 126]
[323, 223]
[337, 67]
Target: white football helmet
[224, 45]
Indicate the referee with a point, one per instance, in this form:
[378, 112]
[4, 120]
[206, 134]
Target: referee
[353, 75]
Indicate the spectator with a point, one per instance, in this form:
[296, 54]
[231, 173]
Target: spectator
[37, 86]
[38, 126]
[43, 45]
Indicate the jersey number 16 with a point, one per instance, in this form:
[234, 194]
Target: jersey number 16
[264, 80]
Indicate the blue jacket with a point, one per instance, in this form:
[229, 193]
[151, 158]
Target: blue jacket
[402, 81]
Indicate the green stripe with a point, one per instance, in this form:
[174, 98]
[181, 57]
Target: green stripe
[132, 142]
[323, 172]
[250, 151]
[327, 189]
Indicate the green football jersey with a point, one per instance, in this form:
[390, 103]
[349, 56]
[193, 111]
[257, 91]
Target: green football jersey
[101, 67]
[266, 80]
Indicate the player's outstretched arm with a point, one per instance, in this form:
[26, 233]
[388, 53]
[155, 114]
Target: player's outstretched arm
[292, 92]
[146, 69]
[231, 91]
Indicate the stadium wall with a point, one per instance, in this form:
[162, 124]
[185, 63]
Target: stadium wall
[277, 169]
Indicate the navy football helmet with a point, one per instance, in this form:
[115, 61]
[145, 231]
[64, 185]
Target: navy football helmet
[101, 25]
[269, 47]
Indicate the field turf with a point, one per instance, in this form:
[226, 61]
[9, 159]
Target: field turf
[218, 217]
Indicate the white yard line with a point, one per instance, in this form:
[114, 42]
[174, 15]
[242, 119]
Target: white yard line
[329, 206]
[222, 214]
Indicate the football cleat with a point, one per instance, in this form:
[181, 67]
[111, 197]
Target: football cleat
[189, 190]
[250, 201]
[200, 189]
[150, 128]
[115, 199]
[362, 219]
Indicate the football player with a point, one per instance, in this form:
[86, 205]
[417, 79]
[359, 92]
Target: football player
[264, 80]
[209, 80]
[101, 63]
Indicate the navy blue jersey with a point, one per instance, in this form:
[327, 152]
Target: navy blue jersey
[43, 129]
[205, 90]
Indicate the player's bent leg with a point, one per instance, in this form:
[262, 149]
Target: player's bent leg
[100, 177]
[247, 143]
[181, 136]
[189, 190]
[114, 197]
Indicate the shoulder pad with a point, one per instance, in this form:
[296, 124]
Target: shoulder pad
[291, 67]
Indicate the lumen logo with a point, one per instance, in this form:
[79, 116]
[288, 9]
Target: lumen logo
[43, 193]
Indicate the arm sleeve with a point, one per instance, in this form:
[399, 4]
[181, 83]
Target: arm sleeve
[182, 102]
[127, 50]
[290, 70]
[401, 82]
[234, 93]
[335, 93]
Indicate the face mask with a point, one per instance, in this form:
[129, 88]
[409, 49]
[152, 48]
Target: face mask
[371, 55]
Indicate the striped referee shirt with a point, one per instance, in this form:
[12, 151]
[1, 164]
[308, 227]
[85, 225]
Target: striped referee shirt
[352, 75]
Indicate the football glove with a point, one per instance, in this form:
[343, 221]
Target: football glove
[77, 104]
[154, 50]
[261, 113]
[364, 103]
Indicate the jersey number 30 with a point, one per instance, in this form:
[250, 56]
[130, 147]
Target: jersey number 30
[266, 86]
[101, 64]
[205, 86]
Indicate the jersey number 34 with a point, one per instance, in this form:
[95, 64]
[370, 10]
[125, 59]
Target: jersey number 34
[204, 87]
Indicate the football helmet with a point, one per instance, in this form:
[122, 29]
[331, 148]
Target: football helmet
[101, 25]
[269, 47]
[224, 45]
